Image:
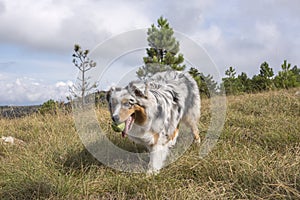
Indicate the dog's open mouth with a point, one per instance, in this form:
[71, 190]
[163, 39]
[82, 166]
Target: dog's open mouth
[128, 124]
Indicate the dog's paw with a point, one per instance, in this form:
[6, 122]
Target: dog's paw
[152, 172]
[197, 141]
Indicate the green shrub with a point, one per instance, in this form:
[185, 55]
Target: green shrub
[49, 107]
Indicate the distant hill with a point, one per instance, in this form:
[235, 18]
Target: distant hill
[18, 111]
[21, 111]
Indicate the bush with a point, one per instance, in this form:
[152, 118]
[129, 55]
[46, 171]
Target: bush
[49, 107]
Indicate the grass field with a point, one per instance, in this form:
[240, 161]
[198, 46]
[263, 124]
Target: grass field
[257, 157]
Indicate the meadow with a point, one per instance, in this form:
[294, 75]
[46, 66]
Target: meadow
[257, 157]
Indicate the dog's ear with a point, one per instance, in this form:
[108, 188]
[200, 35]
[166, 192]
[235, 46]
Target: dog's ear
[137, 92]
[108, 94]
[146, 88]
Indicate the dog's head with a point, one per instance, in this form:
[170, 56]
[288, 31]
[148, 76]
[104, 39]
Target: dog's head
[127, 105]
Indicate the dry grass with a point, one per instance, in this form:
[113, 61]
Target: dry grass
[257, 157]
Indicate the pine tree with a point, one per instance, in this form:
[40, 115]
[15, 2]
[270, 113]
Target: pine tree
[296, 72]
[230, 73]
[163, 53]
[286, 78]
[258, 83]
[231, 84]
[246, 84]
[266, 74]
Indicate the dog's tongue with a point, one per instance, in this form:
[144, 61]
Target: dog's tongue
[128, 123]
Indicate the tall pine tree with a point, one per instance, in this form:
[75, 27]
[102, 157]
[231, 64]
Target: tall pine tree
[163, 53]
[286, 78]
[264, 80]
[231, 83]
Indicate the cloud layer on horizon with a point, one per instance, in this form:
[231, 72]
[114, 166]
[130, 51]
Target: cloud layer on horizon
[24, 89]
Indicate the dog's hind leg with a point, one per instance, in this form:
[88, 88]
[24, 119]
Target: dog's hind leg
[173, 138]
[195, 131]
[194, 128]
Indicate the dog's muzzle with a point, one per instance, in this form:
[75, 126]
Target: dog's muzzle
[116, 118]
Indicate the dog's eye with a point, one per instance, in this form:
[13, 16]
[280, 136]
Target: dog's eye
[126, 104]
[131, 101]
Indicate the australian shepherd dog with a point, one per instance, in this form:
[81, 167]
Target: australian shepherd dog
[153, 110]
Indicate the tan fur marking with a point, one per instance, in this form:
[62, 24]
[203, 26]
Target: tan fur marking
[124, 101]
[196, 133]
[125, 113]
[171, 137]
[196, 136]
[140, 115]
[155, 137]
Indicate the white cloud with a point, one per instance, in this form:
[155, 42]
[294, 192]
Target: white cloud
[24, 90]
[267, 33]
[58, 25]
[18, 82]
[245, 34]
[211, 36]
[62, 84]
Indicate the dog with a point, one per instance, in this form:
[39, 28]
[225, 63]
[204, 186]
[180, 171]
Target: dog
[153, 110]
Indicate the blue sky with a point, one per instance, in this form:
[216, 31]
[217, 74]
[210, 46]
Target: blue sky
[37, 37]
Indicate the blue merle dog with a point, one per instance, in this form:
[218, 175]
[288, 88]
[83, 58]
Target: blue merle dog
[152, 111]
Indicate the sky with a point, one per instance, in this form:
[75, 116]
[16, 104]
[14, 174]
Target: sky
[37, 37]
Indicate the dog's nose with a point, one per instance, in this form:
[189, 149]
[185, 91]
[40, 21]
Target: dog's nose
[115, 118]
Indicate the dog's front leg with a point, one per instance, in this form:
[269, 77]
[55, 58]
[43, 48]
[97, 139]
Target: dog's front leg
[158, 155]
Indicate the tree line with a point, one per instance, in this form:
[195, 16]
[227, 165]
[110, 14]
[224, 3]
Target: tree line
[164, 54]
[233, 84]
[287, 77]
